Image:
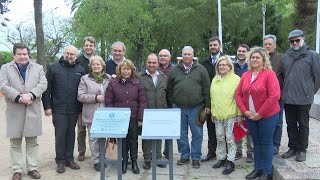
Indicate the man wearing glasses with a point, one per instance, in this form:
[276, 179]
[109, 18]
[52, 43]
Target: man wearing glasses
[301, 70]
[60, 101]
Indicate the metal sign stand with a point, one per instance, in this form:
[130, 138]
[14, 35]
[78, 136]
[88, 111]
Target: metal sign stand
[155, 161]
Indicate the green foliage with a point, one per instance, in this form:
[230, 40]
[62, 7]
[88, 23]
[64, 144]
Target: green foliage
[5, 56]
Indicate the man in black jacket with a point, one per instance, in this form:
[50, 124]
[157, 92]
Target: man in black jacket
[89, 46]
[209, 63]
[60, 101]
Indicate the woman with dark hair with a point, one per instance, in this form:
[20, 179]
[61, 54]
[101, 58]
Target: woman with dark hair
[91, 94]
[127, 91]
[257, 97]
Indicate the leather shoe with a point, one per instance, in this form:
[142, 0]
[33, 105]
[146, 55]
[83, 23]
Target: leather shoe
[265, 177]
[81, 157]
[96, 167]
[60, 168]
[72, 165]
[146, 165]
[16, 176]
[254, 174]
[166, 154]
[34, 174]
[161, 165]
[183, 161]
[276, 150]
[238, 155]
[219, 164]
[208, 157]
[301, 156]
[196, 164]
[290, 153]
[229, 168]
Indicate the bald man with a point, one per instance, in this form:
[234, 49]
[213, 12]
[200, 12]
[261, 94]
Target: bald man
[60, 101]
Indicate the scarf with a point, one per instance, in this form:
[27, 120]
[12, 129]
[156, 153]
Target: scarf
[99, 77]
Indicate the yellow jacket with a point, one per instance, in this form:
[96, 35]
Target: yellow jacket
[222, 93]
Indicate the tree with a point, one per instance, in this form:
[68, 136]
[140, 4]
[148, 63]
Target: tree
[39, 32]
[5, 56]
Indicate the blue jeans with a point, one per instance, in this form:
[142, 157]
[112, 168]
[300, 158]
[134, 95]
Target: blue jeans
[278, 131]
[188, 119]
[262, 135]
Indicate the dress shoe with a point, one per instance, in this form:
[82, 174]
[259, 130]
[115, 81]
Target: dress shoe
[254, 174]
[34, 174]
[81, 157]
[96, 167]
[134, 166]
[161, 165]
[209, 157]
[60, 168]
[166, 154]
[301, 156]
[265, 177]
[196, 164]
[229, 168]
[72, 165]
[146, 165]
[276, 150]
[124, 165]
[183, 161]
[290, 153]
[16, 176]
[219, 164]
[249, 158]
[238, 155]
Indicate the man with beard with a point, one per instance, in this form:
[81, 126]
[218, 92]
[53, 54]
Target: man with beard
[209, 63]
[240, 67]
[60, 101]
[89, 46]
[301, 69]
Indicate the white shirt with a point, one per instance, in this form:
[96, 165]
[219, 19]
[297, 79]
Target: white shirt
[154, 77]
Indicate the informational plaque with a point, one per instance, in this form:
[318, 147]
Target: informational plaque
[110, 122]
[161, 123]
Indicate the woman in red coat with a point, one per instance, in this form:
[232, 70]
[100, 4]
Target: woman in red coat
[257, 97]
[127, 91]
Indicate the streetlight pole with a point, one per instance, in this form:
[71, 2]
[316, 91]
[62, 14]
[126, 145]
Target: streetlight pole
[264, 8]
[220, 24]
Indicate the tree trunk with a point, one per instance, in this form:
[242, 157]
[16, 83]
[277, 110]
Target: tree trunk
[37, 4]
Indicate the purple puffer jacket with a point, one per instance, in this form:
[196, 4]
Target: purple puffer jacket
[127, 94]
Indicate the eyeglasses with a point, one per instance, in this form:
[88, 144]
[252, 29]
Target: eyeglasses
[222, 65]
[295, 40]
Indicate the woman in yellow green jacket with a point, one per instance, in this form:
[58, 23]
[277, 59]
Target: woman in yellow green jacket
[225, 112]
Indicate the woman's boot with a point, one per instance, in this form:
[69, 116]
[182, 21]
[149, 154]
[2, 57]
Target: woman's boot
[124, 165]
[135, 168]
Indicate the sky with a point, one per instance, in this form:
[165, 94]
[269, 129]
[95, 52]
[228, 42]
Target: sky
[22, 11]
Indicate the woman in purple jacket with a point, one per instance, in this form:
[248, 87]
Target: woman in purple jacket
[126, 91]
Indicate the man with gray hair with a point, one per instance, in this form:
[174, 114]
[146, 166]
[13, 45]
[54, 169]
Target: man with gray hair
[301, 69]
[188, 89]
[118, 50]
[270, 44]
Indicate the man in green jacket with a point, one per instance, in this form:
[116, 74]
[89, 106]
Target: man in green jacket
[188, 89]
[155, 84]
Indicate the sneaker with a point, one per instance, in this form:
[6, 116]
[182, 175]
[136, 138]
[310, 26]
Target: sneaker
[249, 158]
[301, 156]
[96, 167]
[196, 164]
[238, 155]
[183, 161]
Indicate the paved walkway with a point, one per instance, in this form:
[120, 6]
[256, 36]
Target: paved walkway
[47, 165]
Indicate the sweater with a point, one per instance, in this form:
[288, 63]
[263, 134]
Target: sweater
[222, 93]
[264, 90]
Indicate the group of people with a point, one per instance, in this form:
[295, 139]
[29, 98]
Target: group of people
[255, 87]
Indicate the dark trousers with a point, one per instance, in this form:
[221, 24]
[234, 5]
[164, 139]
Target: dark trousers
[212, 138]
[81, 136]
[64, 126]
[278, 131]
[131, 142]
[262, 135]
[147, 149]
[297, 118]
